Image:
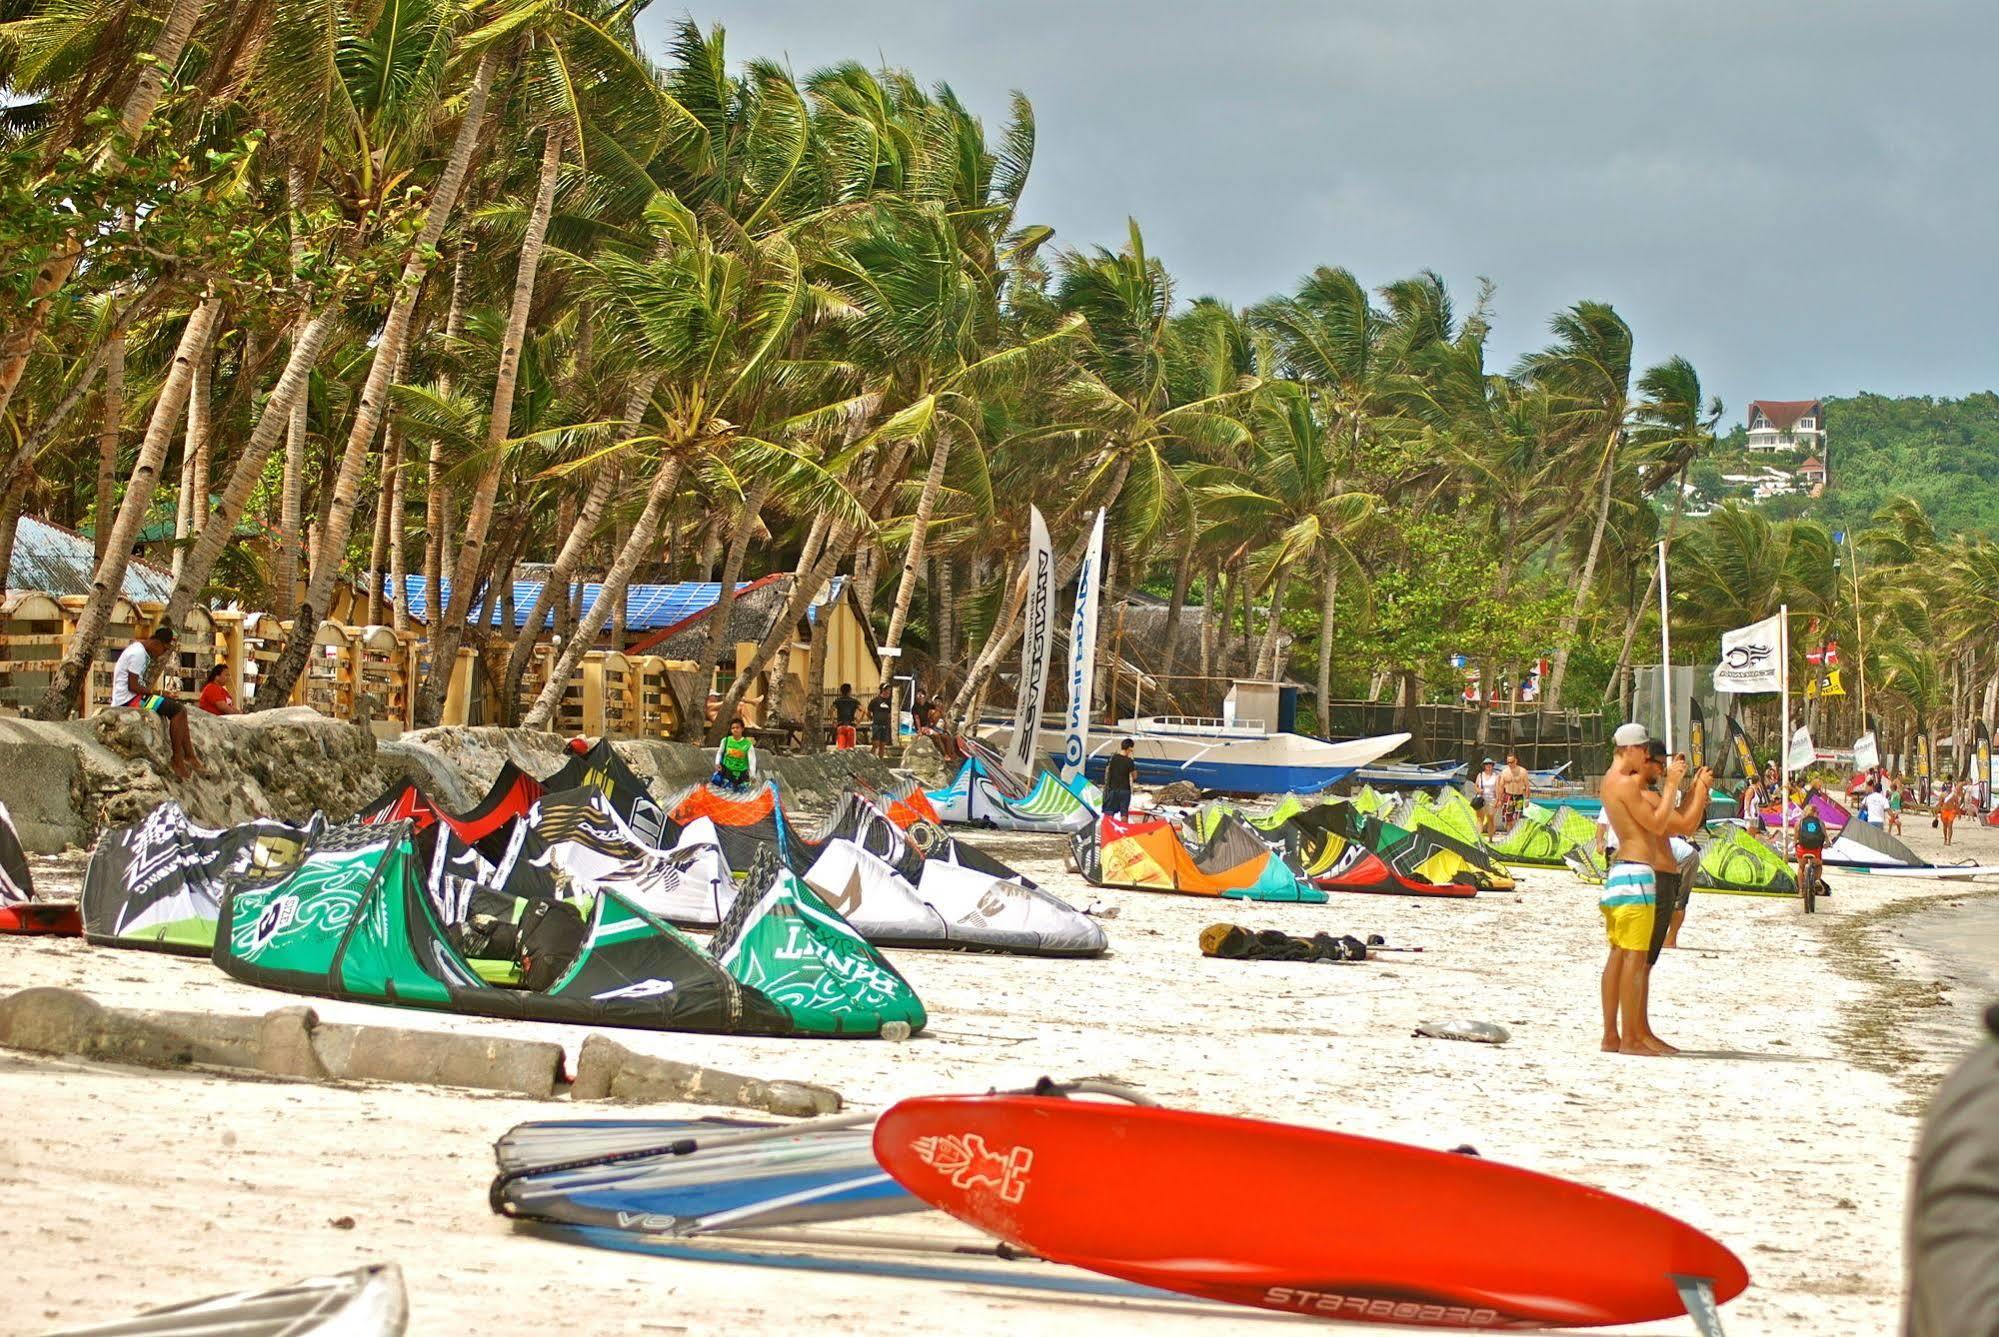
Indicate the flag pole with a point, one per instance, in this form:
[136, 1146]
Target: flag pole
[1665, 650]
[1784, 738]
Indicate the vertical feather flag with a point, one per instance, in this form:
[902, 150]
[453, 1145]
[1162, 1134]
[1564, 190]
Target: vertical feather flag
[1037, 642]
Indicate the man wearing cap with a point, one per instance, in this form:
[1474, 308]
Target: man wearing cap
[1642, 823]
[1689, 811]
[128, 688]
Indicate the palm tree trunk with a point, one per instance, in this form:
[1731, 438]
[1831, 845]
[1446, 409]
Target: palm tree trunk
[385, 512]
[947, 613]
[636, 545]
[1266, 653]
[19, 342]
[866, 563]
[436, 501]
[448, 628]
[110, 431]
[1572, 620]
[373, 399]
[277, 415]
[1007, 630]
[399, 616]
[59, 701]
[194, 465]
[695, 727]
[556, 585]
[13, 499]
[912, 562]
[1175, 610]
[1329, 602]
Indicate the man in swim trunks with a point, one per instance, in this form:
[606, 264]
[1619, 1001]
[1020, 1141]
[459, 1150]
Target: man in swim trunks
[1515, 783]
[1642, 823]
[128, 688]
[1690, 810]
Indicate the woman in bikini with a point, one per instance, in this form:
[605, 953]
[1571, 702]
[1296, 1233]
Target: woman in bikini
[1947, 811]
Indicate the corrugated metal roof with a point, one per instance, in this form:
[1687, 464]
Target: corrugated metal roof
[647, 607]
[59, 561]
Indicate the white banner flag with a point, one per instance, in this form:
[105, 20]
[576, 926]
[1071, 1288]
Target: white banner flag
[1752, 658]
[1037, 643]
[1803, 752]
[1866, 752]
[1083, 655]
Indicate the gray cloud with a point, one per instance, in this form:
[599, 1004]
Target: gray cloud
[1796, 196]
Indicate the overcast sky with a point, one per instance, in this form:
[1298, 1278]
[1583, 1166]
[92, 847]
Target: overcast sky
[1799, 197]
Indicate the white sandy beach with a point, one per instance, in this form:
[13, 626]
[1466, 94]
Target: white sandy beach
[1785, 1131]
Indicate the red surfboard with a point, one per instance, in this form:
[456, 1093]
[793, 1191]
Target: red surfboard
[1295, 1219]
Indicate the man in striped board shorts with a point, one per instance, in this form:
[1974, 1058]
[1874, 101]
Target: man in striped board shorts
[1629, 902]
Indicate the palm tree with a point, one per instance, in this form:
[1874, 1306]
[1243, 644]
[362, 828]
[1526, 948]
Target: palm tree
[1588, 369]
[327, 561]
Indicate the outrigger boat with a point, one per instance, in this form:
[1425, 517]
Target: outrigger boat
[1240, 753]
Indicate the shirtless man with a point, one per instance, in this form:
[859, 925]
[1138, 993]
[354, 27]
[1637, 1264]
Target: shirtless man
[1516, 784]
[1629, 901]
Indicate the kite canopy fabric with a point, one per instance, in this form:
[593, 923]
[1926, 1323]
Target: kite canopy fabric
[1867, 844]
[1543, 837]
[1147, 855]
[975, 798]
[353, 920]
[591, 850]
[160, 883]
[1422, 856]
[513, 792]
[1735, 861]
[599, 767]
[1830, 810]
[782, 941]
[17, 884]
[950, 906]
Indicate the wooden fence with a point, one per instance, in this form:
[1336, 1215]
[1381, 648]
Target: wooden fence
[365, 674]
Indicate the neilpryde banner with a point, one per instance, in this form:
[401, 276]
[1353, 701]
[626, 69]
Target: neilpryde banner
[1083, 654]
[1866, 752]
[1802, 753]
[1752, 658]
[1036, 644]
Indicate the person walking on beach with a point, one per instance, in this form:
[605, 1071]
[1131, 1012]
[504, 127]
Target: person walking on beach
[1119, 772]
[128, 688]
[736, 758]
[1874, 809]
[1629, 902]
[1750, 809]
[1486, 789]
[1950, 808]
[1516, 784]
[1895, 796]
[881, 718]
[846, 709]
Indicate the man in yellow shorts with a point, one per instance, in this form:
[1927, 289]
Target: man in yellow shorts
[1629, 901]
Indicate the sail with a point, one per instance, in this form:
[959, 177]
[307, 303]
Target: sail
[1036, 642]
[1745, 758]
[1696, 735]
[1083, 655]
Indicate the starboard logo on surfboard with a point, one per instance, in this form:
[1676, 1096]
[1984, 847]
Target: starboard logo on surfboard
[966, 1161]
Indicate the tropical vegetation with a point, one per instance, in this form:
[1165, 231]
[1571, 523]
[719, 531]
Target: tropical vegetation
[340, 293]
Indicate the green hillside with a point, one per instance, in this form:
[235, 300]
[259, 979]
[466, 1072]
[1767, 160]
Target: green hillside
[1943, 452]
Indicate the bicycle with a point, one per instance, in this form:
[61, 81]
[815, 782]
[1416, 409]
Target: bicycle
[1810, 878]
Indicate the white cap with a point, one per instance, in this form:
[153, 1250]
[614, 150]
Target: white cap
[1630, 735]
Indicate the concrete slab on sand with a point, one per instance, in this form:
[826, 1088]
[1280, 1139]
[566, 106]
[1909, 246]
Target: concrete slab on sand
[1776, 1134]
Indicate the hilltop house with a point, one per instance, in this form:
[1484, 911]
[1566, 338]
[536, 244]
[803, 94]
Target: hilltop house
[1787, 424]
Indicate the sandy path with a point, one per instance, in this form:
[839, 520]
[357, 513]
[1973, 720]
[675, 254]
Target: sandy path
[1785, 1132]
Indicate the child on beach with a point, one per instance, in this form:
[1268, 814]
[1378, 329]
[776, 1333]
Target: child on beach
[736, 758]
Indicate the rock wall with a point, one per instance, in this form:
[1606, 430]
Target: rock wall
[66, 782]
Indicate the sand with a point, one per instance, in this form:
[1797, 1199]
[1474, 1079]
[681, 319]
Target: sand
[1785, 1130]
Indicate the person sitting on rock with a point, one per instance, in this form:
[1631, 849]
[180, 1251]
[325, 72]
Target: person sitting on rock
[735, 759]
[129, 677]
[215, 697]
